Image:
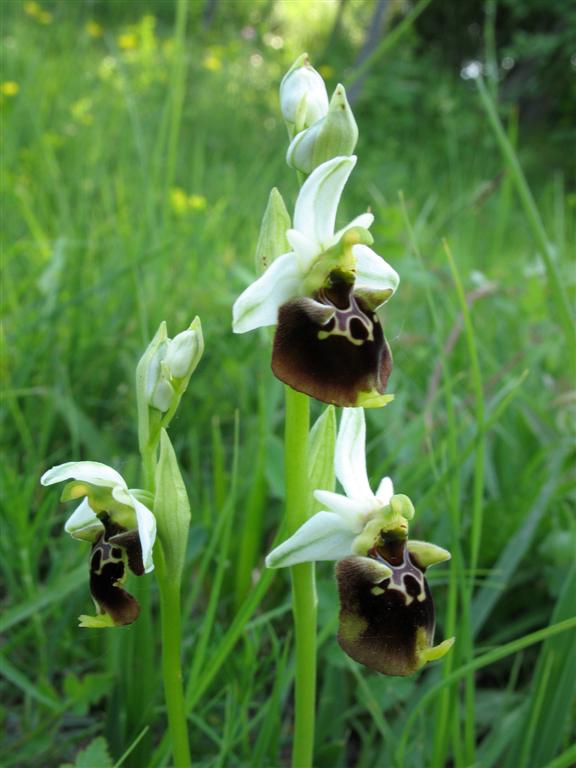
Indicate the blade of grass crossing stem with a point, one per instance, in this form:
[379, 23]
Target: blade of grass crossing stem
[553, 688]
[517, 546]
[566, 760]
[451, 488]
[139, 678]
[18, 679]
[264, 751]
[478, 490]
[220, 653]
[485, 660]
[560, 303]
[251, 535]
[217, 578]
[218, 468]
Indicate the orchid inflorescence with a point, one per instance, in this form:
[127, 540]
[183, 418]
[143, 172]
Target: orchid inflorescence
[321, 287]
[121, 523]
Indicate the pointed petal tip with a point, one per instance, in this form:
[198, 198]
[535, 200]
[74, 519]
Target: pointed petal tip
[436, 652]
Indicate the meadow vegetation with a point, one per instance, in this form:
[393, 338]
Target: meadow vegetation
[140, 142]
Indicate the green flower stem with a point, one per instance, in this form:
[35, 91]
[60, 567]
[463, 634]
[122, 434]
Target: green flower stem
[303, 583]
[171, 631]
[170, 612]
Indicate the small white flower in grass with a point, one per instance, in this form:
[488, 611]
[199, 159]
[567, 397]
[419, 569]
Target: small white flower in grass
[350, 522]
[323, 295]
[120, 527]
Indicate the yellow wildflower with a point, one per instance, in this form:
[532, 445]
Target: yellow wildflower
[94, 29]
[9, 88]
[32, 9]
[178, 200]
[197, 202]
[212, 62]
[128, 41]
[81, 111]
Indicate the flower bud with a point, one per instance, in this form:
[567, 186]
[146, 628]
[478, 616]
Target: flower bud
[272, 240]
[303, 96]
[161, 391]
[335, 134]
[183, 353]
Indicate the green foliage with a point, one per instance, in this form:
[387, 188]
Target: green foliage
[100, 244]
[95, 754]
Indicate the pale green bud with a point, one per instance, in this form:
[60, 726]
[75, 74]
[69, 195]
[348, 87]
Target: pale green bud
[162, 376]
[183, 353]
[334, 135]
[160, 390]
[272, 240]
[303, 96]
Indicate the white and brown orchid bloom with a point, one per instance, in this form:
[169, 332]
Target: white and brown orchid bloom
[323, 296]
[386, 608]
[121, 529]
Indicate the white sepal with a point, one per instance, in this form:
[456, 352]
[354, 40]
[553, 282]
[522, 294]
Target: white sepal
[374, 276]
[258, 305]
[317, 203]
[350, 459]
[92, 472]
[325, 536]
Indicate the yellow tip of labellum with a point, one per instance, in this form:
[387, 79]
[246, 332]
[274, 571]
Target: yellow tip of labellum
[437, 652]
[372, 400]
[102, 621]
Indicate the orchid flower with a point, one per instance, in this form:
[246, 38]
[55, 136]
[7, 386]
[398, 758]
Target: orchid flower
[387, 612]
[121, 529]
[323, 296]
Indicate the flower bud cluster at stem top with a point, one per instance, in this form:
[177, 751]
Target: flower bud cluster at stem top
[319, 130]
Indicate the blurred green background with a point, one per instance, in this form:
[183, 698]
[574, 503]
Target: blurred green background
[140, 142]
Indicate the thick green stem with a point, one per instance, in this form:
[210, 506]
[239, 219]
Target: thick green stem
[171, 633]
[303, 584]
[171, 665]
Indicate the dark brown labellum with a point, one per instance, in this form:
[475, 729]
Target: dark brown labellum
[388, 623]
[335, 355]
[111, 554]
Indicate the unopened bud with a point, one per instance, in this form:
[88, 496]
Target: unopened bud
[303, 96]
[334, 135]
[160, 390]
[272, 240]
[182, 353]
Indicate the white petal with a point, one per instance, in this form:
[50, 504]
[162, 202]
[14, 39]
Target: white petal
[146, 532]
[83, 523]
[350, 456]
[317, 203]
[325, 536]
[305, 248]
[92, 472]
[354, 511]
[385, 491]
[258, 305]
[374, 276]
[364, 221]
